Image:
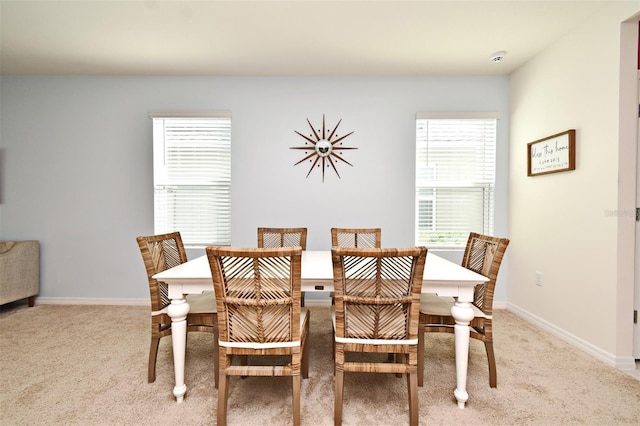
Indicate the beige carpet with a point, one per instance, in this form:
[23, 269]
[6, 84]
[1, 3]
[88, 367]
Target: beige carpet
[83, 365]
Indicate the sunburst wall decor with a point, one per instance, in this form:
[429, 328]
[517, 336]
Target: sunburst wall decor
[323, 148]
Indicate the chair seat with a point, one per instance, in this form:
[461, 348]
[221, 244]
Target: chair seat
[304, 317]
[202, 303]
[432, 304]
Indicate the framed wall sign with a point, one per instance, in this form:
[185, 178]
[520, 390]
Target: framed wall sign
[553, 154]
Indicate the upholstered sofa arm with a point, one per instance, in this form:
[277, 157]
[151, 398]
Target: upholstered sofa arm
[19, 271]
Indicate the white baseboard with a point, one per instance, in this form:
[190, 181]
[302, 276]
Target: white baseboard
[621, 363]
[499, 305]
[90, 301]
[310, 303]
[134, 302]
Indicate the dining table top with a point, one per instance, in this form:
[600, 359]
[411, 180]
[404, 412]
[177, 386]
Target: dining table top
[317, 272]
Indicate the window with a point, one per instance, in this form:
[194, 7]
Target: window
[192, 178]
[455, 177]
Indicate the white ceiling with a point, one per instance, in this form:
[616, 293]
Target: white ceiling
[265, 37]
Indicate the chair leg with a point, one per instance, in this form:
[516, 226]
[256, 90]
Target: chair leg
[222, 400]
[153, 354]
[304, 368]
[337, 411]
[333, 350]
[493, 374]
[223, 392]
[244, 361]
[338, 371]
[413, 398]
[216, 360]
[421, 330]
[305, 349]
[296, 400]
[398, 359]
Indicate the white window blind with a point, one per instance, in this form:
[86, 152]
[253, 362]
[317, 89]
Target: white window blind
[192, 178]
[455, 178]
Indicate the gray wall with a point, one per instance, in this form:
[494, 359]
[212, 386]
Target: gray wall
[76, 163]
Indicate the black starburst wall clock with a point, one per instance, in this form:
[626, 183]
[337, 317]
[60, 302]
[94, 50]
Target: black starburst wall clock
[323, 148]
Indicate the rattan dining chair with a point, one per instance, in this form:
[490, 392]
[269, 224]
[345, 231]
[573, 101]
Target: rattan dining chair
[282, 237]
[159, 253]
[259, 314]
[377, 302]
[356, 237]
[483, 254]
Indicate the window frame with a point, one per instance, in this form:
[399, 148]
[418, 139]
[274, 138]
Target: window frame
[483, 187]
[192, 182]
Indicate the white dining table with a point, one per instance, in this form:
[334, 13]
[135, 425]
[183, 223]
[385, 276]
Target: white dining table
[441, 276]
